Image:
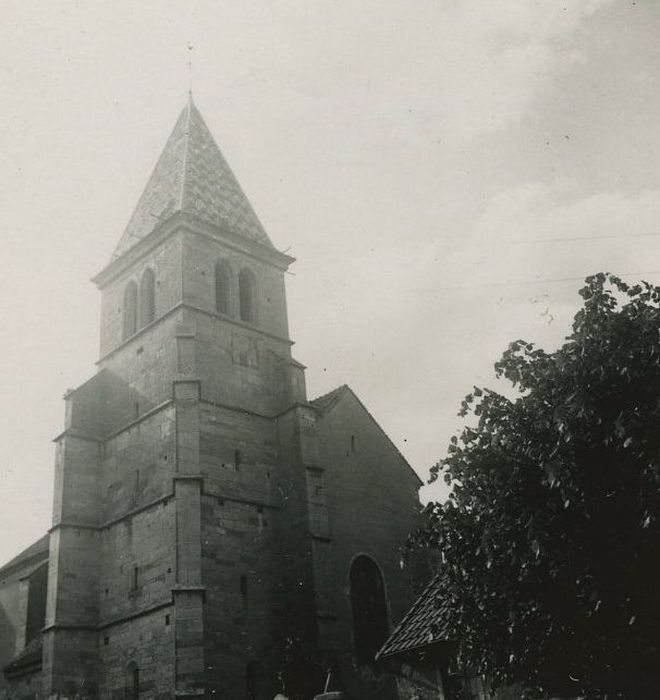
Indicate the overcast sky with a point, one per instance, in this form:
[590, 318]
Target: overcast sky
[445, 172]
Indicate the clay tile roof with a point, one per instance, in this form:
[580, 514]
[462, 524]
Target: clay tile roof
[38, 548]
[423, 625]
[324, 403]
[192, 176]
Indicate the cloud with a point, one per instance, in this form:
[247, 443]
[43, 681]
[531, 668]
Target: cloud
[549, 230]
[498, 56]
[456, 70]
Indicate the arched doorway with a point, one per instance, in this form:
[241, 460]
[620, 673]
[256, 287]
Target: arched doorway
[370, 623]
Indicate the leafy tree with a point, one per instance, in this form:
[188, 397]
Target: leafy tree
[550, 539]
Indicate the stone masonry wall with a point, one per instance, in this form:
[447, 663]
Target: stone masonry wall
[146, 641]
[137, 560]
[294, 538]
[372, 502]
[241, 612]
[138, 464]
[238, 554]
[420, 681]
[240, 367]
[138, 557]
[238, 455]
[140, 374]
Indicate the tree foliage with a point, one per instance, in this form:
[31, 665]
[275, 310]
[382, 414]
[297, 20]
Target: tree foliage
[550, 537]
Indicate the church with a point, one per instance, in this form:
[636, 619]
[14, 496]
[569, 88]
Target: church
[215, 533]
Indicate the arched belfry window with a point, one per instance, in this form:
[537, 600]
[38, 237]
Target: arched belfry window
[147, 297]
[130, 309]
[247, 295]
[370, 626]
[223, 288]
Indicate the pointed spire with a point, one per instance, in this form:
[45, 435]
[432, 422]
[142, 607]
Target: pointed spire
[192, 176]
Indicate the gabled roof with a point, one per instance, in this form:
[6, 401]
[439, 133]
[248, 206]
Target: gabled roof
[37, 549]
[192, 176]
[424, 624]
[325, 402]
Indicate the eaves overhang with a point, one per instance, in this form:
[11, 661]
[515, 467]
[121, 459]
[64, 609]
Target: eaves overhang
[184, 221]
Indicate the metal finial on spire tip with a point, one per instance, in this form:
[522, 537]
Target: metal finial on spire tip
[190, 48]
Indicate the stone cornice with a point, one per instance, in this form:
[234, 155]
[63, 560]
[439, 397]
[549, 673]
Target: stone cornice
[198, 309]
[182, 221]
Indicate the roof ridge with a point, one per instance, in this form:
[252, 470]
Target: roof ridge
[192, 175]
[326, 401]
[332, 391]
[186, 149]
[37, 548]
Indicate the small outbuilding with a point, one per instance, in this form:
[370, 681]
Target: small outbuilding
[420, 654]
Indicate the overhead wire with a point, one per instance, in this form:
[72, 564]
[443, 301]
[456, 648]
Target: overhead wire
[517, 283]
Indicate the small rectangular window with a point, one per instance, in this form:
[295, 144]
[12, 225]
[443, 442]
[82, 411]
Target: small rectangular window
[106, 641]
[244, 585]
[134, 578]
[237, 459]
[167, 619]
[136, 682]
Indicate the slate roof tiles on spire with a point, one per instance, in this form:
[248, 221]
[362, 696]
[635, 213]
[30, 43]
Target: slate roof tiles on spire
[192, 176]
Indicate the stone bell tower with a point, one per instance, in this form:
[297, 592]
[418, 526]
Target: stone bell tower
[198, 526]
